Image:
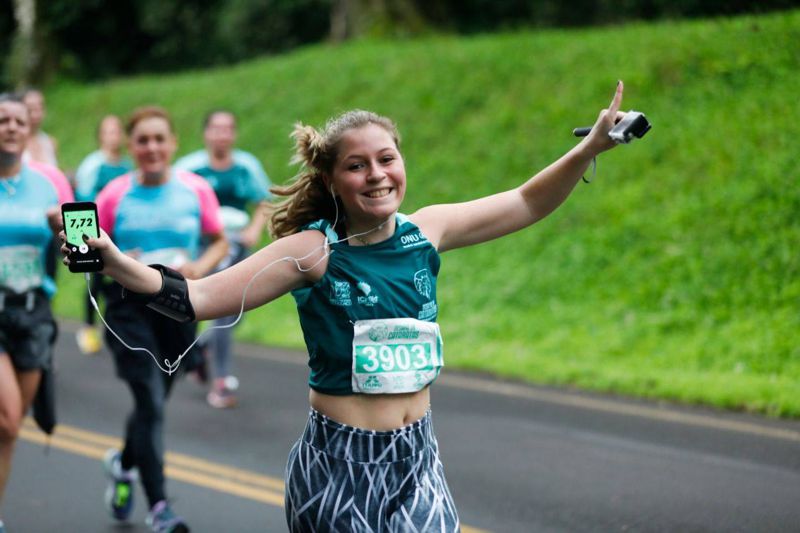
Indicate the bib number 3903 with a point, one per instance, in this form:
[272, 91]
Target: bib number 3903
[393, 357]
[397, 355]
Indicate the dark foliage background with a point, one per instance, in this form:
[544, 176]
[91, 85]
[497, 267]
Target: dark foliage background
[97, 39]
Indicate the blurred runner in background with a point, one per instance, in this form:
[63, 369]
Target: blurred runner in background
[95, 172]
[41, 153]
[41, 146]
[28, 213]
[241, 184]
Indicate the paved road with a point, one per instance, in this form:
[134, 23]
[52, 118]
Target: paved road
[518, 458]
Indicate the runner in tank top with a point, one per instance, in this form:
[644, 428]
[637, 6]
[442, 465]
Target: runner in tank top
[364, 278]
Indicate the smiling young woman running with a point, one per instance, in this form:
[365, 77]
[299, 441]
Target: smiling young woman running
[364, 277]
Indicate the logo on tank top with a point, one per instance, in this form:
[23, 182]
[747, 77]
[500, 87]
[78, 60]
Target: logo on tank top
[413, 239]
[422, 282]
[364, 287]
[365, 298]
[428, 312]
[340, 293]
[424, 286]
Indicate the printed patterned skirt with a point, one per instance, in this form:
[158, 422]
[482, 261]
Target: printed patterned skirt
[345, 479]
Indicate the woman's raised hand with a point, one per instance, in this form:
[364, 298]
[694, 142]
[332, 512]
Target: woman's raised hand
[598, 140]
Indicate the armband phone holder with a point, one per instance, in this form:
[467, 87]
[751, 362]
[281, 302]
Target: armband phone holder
[173, 298]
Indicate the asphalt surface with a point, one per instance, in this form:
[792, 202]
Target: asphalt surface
[518, 458]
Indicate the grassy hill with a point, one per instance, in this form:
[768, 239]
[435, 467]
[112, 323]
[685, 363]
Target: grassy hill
[675, 274]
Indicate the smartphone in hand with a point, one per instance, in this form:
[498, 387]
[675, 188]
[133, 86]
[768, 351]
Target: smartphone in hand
[80, 218]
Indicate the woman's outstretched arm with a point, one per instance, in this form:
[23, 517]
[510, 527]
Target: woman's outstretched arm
[284, 265]
[456, 225]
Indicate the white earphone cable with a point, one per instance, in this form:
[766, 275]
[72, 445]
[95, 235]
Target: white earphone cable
[170, 367]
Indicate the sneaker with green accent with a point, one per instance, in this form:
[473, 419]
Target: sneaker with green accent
[162, 519]
[119, 493]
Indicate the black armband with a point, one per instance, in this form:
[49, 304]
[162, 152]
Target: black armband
[173, 298]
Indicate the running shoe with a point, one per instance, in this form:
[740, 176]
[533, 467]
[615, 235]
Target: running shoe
[221, 396]
[119, 494]
[2, 527]
[161, 519]
[88, 340]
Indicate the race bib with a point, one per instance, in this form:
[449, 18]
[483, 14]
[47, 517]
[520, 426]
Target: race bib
[20, 268]
[395, 355]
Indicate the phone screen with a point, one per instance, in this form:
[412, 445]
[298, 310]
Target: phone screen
[78, 223]
[80, 218]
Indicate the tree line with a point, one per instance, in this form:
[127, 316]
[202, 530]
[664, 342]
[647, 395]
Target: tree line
[97, 39]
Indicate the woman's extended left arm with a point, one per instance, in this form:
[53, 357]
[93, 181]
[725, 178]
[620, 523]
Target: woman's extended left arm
[457, 225]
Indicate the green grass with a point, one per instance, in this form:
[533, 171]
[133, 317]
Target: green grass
[674, 275]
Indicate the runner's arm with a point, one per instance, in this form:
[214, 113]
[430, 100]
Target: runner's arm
[285, 264]
[452, 226]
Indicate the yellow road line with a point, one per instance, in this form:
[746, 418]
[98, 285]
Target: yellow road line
[178, 459]
[178, 466]
[192, 470]
[234, 474]
[223, 485]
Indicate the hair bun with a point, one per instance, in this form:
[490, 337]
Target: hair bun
[308, 144]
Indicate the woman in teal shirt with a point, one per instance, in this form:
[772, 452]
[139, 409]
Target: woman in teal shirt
[364, 278]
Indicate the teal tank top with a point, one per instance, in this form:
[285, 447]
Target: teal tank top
[395, 278]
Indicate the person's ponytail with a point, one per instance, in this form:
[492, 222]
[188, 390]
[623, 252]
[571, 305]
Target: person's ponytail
[309, 199]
